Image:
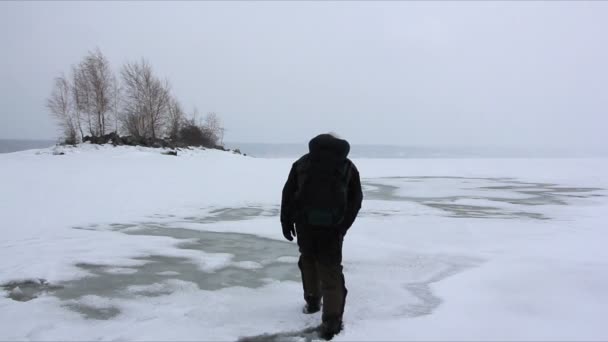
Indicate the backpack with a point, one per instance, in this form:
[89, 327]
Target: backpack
[322, 196]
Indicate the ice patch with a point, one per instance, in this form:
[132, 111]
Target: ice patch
[94, 307]
[250, 265]
[167, 287]
[121, 270]
[288, 259]
[211, 262]
[27, 290]
[502, 198]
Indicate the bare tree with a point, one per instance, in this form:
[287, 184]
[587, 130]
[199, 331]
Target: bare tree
[81, 95]
[115, 104]
[147, 100]
[175, 119]
[77, 103]
[213, 127]
[93, 88]
[194, 117]
[61, 106]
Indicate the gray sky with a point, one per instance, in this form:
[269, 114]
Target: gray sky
[408, 73]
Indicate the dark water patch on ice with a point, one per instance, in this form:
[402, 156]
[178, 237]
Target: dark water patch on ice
[234, 214]
[525, 195]
[476, 211]
[378, 213]
[428, 301]
[121, 226]
[256, 261]
[23, 291]
[244, 247]
[304, 335]
[92, 312]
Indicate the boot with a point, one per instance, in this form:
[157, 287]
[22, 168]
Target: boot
[313, 305]
[330, 328]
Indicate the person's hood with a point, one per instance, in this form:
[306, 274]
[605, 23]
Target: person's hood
[328, 145]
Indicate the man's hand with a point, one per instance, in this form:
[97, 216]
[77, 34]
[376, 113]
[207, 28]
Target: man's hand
[289, 231]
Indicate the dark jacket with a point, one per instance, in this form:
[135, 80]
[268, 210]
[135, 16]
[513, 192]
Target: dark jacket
[323, 143]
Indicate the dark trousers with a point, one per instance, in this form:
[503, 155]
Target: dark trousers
[321, 267]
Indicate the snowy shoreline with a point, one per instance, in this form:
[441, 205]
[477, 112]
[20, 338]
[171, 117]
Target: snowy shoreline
[441, 250]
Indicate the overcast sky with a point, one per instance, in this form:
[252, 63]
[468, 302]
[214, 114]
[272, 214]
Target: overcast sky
[407, 73]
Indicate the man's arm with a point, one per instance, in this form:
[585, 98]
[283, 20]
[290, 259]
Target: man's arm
[355, 198]
[287, 205]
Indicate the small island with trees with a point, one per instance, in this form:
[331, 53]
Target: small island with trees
[91, 104]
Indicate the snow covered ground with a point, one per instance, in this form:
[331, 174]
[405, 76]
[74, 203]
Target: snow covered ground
[121, 243]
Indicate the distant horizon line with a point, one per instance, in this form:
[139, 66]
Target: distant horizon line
[236, 143]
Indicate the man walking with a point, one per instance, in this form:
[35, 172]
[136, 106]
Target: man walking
[320, 202]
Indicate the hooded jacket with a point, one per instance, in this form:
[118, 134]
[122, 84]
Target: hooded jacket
[324, 146]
